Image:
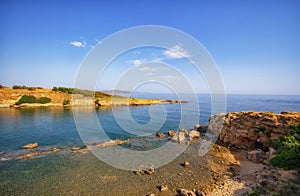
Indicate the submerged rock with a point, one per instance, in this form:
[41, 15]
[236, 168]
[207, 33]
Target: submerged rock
[111, 143]
[28, 146]
[55, 149]
[81, 150]
[28, 155]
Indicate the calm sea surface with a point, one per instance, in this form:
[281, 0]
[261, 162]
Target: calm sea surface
[56, 127]
[69, 173]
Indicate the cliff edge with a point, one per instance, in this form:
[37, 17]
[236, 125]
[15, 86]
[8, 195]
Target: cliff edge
[242, 129]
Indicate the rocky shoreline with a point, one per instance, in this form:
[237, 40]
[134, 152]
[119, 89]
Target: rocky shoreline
[9, 97]
[228, 168]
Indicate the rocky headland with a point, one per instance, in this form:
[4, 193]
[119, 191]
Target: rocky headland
[10, 97]
[242, 129]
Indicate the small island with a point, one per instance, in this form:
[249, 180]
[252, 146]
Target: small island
[23, 96]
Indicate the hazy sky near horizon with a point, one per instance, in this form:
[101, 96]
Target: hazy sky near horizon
[256, 44]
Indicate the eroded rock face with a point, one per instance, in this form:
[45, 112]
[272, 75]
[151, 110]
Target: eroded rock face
[241, 129]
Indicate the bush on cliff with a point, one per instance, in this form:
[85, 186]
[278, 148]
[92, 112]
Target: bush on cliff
[288, 149]
[33, 99]
[63, 89]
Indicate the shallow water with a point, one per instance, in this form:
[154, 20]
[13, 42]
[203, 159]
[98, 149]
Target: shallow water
[69, 173]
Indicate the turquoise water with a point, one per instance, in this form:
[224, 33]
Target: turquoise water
[55, 126]
[69, 173]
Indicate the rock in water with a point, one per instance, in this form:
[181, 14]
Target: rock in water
[28, 155]
[197, 126]
[160, 134]
[171, 133]
[194, 134]
[28, 146]
[55, 149]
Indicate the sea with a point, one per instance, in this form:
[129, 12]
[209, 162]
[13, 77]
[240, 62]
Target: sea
[71, 173]
[56, 126]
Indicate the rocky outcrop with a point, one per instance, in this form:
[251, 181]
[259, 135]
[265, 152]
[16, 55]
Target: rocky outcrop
[9, 97]
[28, 146]
[242, 129]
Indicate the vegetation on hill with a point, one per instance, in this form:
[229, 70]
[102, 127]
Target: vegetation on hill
[288, 149]
[87, 93]
[25, 87]
[66, 102]
[33, 99]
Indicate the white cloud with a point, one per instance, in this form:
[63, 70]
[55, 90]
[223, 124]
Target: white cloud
[78, 44]
[157, 60]
[176, 52]
[138, 62]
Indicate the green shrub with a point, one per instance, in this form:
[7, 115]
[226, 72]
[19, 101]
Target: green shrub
[33, 99]
[43, 100]
[18, 87]
[66, 102]
[288, 149]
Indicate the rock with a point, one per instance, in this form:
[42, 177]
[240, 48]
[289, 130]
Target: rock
[171, 133]
[78, 150]
[194, 134]
[197, 126]
[138, 172]
[111, 143]
[256, 156]
[28, 146]
[149, 172]
[28, 155]
[163, 188]
[160, 134]
[55, 149]
[241, 129]
[179, 137]
[152, 194]
[184, 192]
[186, 164]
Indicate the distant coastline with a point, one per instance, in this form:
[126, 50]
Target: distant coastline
[22, 96]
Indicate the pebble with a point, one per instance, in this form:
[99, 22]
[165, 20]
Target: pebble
[186, 164]
[163, 188]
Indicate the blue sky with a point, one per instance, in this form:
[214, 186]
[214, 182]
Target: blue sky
[256, 44]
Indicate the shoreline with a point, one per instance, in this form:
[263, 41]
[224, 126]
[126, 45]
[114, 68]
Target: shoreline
[9, 98]
[222, 171]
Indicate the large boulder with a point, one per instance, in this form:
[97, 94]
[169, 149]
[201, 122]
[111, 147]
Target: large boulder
[242, 129]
